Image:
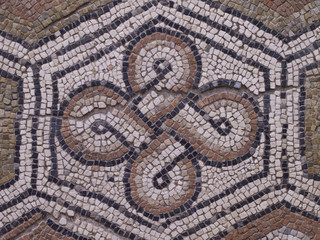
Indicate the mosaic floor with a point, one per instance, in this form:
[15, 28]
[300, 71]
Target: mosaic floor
[156, 119]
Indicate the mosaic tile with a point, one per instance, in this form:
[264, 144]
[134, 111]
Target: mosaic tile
[28, 10]
[160, 120]
[311, 121]
[286, 17]
[280, 223]
[8, 110]
[285, 8]
[32, 19]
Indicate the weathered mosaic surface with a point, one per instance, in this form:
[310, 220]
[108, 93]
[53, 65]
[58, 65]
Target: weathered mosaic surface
[8, 110]
[159, 120]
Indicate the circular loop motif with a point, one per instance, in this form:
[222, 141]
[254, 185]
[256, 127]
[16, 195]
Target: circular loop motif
[230, 129]
[235, 118]
[162, 183]
[88, 127]
[164, 58]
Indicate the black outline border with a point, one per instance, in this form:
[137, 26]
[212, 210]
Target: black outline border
[106, 8]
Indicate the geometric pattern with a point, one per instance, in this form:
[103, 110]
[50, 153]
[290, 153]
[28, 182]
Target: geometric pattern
[161, 120]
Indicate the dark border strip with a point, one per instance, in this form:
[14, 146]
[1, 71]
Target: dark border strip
[200, 226]
[284, 167]
[117, 206]
[259, 24]
[35, 124]
[313, 46]
[231, 32]
[65, 231]
[238, 14]
[233, 208]
[32, 192]
[103, 52]
[24, 218]
[15, 201]
[14, 59]
[262, 213]
[6, 74]
[220, 83]
[311, 197]
[15, 39]
[86, 17]
[284, 157]
[249, 219]
[114, 227]
[106, 8]
[223, 194]
[88, 38]
[300, 212]
[284, 73]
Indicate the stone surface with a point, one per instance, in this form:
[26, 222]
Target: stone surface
[159, 119]
[312, 125]
[8, 111]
